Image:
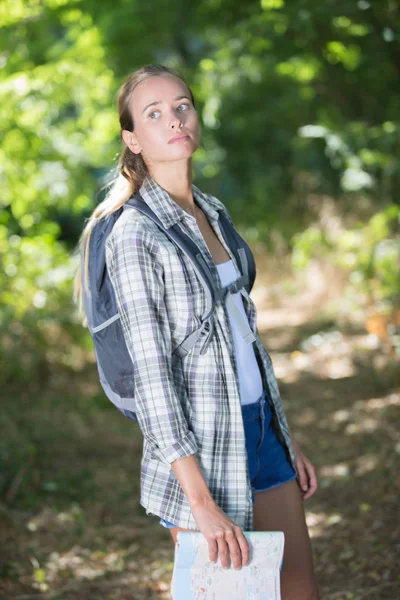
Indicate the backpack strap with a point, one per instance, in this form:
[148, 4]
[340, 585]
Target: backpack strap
[186, 244]
[214, 294]
[241, 250]
[98, 297]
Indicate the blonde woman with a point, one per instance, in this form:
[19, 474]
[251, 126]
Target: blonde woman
[218, 455]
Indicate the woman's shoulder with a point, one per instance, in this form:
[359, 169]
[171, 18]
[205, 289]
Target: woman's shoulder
[132, 224]
[136, 233]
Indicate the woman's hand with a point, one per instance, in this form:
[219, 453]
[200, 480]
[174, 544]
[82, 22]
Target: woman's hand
[305, 471]
[223, 536]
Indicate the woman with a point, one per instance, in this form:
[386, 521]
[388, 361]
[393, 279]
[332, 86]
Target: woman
[217, 452]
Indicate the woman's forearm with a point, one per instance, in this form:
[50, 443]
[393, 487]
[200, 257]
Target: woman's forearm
[189, 475]
[223, 536]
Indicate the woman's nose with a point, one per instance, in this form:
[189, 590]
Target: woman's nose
[174, 119]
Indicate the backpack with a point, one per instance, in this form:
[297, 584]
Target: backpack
[113, 360]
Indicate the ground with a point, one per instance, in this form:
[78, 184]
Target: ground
[72, 528]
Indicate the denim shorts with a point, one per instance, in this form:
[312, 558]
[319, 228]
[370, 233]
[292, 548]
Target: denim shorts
[269, 465]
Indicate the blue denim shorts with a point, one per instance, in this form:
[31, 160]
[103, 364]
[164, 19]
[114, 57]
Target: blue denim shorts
[269, 465]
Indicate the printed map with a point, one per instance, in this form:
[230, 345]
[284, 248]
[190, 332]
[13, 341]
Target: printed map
[195, 577]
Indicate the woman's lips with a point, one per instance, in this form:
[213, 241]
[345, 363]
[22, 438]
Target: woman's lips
[179, 139]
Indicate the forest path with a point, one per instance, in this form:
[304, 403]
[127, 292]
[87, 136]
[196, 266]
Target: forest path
[72, 527]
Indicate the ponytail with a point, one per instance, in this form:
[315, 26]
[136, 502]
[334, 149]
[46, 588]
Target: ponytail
[128, 177]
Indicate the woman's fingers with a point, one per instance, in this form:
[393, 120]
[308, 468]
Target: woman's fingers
[230, 546]
[224, 537]
[307, 478]
[312, 479]
[212, 550]
[234, 549]
[303, 480]
[244, 546]
[223, 551]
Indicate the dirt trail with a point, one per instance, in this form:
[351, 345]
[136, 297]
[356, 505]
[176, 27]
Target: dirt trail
[342, 398]
[79, 532]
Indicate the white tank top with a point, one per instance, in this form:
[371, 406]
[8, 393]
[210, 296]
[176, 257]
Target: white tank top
[250, 380]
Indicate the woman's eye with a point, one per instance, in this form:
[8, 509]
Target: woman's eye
[157, 111]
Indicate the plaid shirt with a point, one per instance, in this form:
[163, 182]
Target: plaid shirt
[192, 406]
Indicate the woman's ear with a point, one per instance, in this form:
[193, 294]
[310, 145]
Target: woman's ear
[131, 141]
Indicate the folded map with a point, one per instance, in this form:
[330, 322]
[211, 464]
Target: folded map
[195, 577]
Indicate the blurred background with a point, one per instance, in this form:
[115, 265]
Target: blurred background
[299, 104]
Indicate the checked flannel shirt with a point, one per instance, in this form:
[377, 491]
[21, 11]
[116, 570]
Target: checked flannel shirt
[192, 407]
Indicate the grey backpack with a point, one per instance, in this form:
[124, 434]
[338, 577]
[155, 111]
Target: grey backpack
[114, 363]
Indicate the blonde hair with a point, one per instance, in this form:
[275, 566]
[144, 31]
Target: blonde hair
[130, 172]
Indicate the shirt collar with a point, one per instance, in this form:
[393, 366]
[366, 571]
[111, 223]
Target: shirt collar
[169, 211]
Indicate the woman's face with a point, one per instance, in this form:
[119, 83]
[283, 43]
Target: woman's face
[162, 109]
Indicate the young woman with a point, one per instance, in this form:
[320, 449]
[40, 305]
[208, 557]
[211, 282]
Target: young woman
[218, 455]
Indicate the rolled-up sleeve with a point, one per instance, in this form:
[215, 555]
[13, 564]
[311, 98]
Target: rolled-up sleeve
[135, 267]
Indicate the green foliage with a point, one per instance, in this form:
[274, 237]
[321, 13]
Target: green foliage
[38, 324]
[296, 100]
[370, 252]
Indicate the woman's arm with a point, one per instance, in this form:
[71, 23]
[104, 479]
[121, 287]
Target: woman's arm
[223, 536]
[136, 271]
[189, 475]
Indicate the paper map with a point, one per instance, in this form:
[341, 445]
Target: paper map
[195, 577]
